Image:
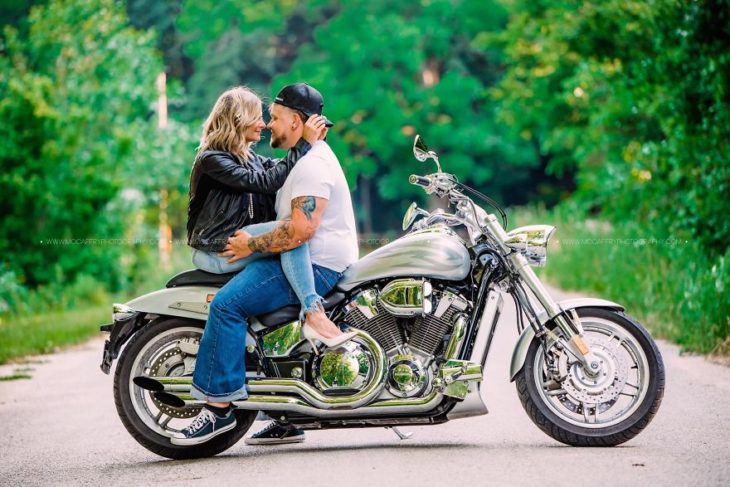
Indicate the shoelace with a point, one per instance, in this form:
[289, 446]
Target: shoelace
[273, 425]
[200, 420]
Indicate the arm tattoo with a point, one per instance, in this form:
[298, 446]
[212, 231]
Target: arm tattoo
[277, 240]
[282, 238]
[305, 204]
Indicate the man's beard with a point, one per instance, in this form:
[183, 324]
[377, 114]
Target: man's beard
[275, 141]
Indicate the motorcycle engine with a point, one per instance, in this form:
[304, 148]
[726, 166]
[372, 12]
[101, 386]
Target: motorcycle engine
[343, 370]
[410, 320]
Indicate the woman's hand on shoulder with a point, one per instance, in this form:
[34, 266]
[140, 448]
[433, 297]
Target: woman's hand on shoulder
[314, 129]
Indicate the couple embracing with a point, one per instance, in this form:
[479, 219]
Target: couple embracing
[290, 248]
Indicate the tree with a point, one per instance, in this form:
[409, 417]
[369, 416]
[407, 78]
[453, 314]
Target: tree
[388, 71]
[242, 42]
[634, 96]
[75, 98]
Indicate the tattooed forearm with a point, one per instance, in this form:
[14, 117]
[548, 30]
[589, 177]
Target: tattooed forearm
[305, 204]
[279, 239]
[306, 214]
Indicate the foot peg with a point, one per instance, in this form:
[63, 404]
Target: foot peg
[148, 383]
[169, 399]
[401, 435]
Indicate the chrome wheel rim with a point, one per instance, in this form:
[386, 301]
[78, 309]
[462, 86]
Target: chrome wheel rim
[595, 401]
[161, 356]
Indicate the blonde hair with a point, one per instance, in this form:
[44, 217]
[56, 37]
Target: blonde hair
[235, 111]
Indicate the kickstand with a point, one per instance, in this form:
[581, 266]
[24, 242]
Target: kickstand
[402, 436]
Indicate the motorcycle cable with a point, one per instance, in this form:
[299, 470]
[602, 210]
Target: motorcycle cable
[488, 200]
[526, 305]
[520, 318]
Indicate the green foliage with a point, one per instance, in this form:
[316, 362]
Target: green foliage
[672, 285]
[75, 98]
[635, 96]
[235, 42]
[388, 71]
[56, 315]
[159, 16]
[46, 332]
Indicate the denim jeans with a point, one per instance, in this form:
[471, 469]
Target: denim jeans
[261, 287]
[296, 263]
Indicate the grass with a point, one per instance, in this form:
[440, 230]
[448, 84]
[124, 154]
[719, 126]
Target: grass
[48, 331]
[671, 285]
[6, 378]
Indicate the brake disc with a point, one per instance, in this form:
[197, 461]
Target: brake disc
[602, 389]
[173, 363]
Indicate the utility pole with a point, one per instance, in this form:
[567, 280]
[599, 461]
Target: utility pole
[165, 232]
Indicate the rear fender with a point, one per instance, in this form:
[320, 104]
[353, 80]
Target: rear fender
[190, 302]
[184, 302]
[520, 351]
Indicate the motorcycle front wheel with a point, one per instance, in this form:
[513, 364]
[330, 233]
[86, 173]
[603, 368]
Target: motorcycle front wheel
[607, 409]
[165, 348]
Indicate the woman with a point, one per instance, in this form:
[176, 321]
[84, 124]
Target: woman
[232, 188]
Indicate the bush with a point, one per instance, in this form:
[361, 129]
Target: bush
[673, 285]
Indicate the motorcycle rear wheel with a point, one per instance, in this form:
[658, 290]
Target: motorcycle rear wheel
[154, 350]
[607, 410]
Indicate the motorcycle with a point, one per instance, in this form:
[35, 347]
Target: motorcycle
[424, 308]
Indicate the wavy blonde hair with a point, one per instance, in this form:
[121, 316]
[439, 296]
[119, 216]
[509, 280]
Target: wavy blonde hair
[235, 111]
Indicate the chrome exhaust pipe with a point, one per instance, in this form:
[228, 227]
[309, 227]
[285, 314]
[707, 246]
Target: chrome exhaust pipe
[175, 391]
[296, 405]
[180, 386]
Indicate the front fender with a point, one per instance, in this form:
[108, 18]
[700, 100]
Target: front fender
[520, 351]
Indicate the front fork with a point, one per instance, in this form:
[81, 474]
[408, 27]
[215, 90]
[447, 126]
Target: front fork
[567, 321]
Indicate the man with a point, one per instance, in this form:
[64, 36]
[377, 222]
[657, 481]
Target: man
[313, 206]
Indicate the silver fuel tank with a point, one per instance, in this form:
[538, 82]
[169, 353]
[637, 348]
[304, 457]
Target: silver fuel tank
[433, 252]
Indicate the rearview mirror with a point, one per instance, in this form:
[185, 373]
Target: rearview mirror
[420, 149]
[423, 153]
[412, 213]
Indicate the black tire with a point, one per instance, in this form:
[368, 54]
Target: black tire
[565, 431]
[124, 391]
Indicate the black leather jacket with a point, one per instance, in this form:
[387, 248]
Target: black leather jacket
[227, 193]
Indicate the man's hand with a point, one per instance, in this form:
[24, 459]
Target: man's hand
[237, 247]
[314, 129]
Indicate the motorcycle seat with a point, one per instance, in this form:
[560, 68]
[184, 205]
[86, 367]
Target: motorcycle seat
[291, 313]
[196, 277]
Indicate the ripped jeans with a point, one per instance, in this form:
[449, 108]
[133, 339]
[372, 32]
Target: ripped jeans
[295, 263]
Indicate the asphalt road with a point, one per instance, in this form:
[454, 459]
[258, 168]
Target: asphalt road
[61, 428]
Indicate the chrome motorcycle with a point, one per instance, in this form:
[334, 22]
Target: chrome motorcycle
[425, 307]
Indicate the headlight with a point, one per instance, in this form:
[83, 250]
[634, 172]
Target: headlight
[531, 241]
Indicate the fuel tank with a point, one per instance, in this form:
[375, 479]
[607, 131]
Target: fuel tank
[432, 252]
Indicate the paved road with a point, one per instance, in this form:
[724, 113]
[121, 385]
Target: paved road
[61, 428]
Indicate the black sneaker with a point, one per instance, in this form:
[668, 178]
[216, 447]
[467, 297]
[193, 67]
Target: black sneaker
[276, 434]
[205, 426]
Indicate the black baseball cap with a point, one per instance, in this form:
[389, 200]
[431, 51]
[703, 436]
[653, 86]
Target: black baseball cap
[302, 97]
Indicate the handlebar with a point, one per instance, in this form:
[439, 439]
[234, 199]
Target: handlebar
[419, 180]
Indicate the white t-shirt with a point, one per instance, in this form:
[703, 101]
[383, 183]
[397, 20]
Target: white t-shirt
[319, 174]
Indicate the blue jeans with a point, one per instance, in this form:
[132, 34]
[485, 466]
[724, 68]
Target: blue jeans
[261, 287]
[296, 263]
